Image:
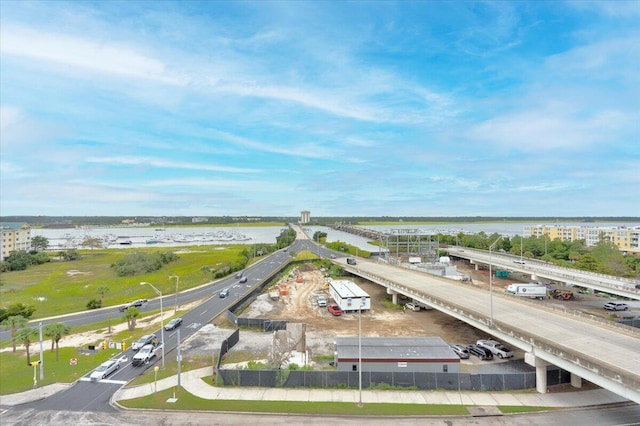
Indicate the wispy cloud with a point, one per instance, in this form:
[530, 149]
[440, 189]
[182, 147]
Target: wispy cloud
[166, 164]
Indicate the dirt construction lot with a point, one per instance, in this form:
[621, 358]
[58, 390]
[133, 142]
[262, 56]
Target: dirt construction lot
[306, 283]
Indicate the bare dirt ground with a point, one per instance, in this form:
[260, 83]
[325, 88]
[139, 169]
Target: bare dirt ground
[384, 319]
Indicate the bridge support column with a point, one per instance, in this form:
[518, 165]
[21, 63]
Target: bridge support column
[576, 381]
[394, 296]
[541, 371]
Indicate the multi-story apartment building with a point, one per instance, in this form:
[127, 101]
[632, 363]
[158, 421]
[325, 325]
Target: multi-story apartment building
[15, 236]
[627, 239]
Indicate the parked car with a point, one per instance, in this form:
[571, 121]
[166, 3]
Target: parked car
[496, 348]
[104, 370]
[173, 324]
[461, 351]
[616, 306]
[322, 301]
[144, 340]
[224, 293]
[410, 306]
[334, 309]
[482, 353]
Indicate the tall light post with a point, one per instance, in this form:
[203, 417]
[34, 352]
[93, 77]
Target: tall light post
[362, 302]
[491, 282]
[177, 281]
[161, 318]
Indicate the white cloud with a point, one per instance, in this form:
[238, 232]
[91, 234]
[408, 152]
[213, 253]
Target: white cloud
[96, 55]
[160, 163]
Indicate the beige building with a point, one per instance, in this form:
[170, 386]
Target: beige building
[627, 239]
[15, 236]
[305, 216]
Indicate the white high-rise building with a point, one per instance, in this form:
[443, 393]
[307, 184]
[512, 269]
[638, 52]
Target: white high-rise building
[305, 216]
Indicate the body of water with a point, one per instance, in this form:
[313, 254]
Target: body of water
[123, 237]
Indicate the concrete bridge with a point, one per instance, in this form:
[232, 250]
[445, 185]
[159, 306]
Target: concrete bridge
[538, 269]
[600, 351]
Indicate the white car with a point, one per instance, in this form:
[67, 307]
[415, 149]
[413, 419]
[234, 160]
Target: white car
[410, 306]
[496, 348]
[616, 306]
[104, 370]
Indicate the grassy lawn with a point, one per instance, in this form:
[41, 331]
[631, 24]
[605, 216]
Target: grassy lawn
[186, 401]
[53, 291]
[17, 376]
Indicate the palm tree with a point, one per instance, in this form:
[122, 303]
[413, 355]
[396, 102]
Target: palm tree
[56, 331]
[24, 336]
[130, 315]
[102, 291]
[13, 323]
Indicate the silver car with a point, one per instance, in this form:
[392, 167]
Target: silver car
[461, 351]
[104, 370]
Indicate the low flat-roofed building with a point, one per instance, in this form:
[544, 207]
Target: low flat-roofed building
[349, 296]
[396, 354]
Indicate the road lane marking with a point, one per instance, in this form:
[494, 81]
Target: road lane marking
[204, 312]
[109, 381]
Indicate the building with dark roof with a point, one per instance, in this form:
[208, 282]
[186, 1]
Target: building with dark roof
[396, 354]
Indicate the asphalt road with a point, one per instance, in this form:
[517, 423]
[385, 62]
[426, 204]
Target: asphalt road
[86, 396]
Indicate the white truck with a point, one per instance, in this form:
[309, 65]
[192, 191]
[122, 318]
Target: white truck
[146, 353]
[530, 290]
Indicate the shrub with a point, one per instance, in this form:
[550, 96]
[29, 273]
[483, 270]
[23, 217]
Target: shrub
[137, 263]
[94, 304]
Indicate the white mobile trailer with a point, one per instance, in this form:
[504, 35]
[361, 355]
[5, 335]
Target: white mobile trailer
[349, 296]
[532, 291]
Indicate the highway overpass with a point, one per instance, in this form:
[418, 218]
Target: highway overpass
[537, 269]
[600, 351]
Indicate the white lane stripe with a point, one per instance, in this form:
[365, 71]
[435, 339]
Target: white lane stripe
[112, 382]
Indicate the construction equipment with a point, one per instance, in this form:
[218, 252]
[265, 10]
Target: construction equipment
[562, 294]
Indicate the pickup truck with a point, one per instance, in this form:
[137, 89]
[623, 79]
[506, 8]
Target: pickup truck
[496, 348]
[145, 354]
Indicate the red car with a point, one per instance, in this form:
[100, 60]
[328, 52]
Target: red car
[334, 309]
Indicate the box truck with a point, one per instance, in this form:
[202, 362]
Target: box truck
[531, 290]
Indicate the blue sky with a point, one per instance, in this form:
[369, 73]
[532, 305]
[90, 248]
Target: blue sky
[341, 108]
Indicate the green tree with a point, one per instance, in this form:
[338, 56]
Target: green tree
[39, 243]
[25, 336]
[19, 260]
[70, 255]
[18, 309]
[131, 314]
[102, 290]
[589, 263]
[92, 243]
[56, 331]
[13, 323]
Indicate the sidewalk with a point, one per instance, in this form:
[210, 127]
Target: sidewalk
[192, 383]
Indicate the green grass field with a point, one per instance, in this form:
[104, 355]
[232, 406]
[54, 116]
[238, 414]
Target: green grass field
[58, 287]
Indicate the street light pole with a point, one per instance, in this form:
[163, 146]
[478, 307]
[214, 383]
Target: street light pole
[161, 318]
[362, 301]
[177, 281]
[491, 283]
